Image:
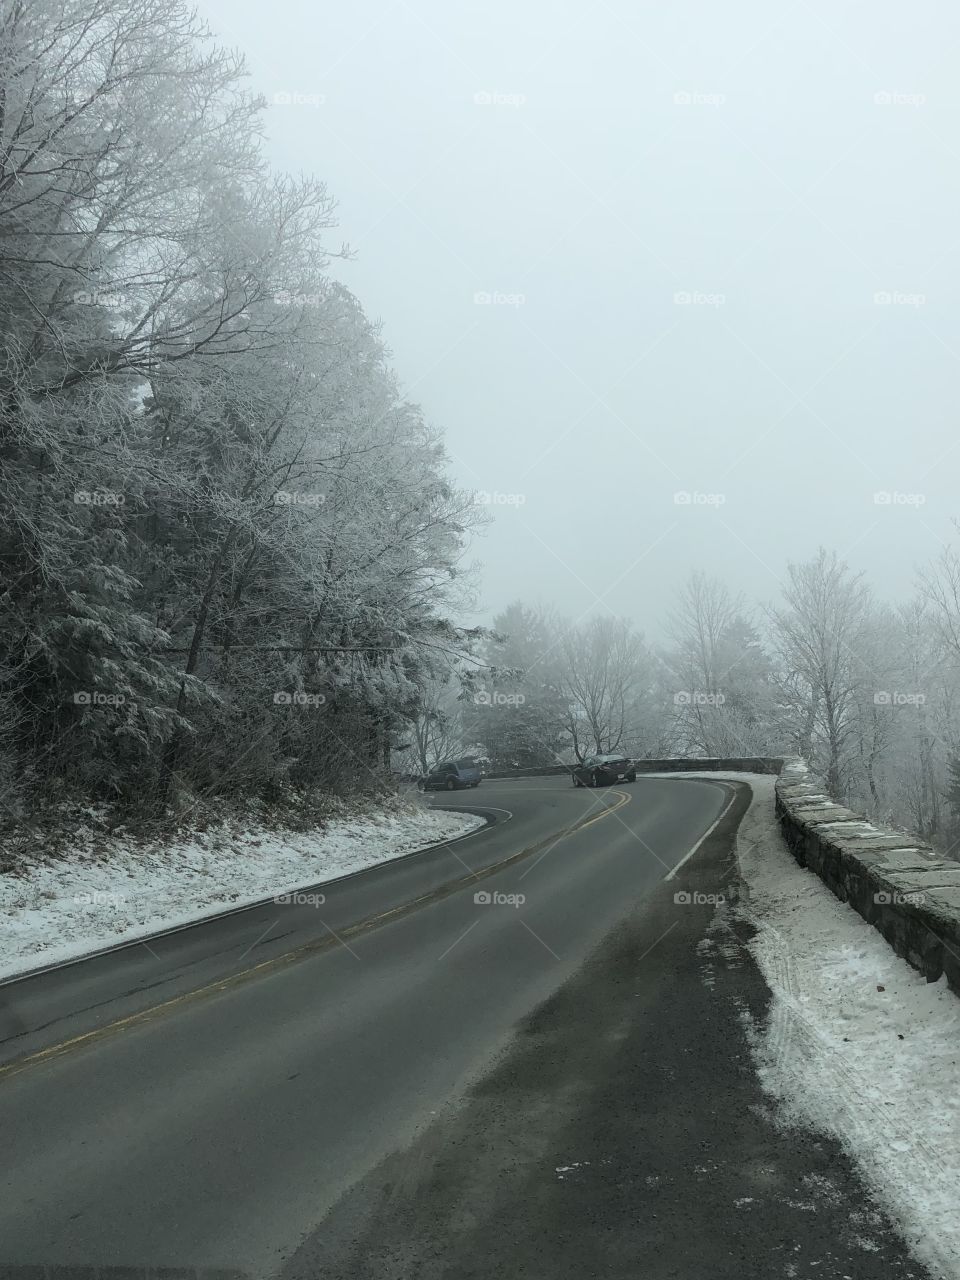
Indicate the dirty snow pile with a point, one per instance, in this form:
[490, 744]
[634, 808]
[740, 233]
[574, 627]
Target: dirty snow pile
[60, 908]
[856, 1043]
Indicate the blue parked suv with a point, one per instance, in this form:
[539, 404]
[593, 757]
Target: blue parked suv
[450, 775]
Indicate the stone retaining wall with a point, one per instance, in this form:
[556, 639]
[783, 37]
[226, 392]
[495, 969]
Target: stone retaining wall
[899, 884]
[687, 764]
[732, 764]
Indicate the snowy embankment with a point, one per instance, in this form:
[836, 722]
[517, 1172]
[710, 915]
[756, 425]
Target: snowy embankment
[109, 890]
[856, 1042]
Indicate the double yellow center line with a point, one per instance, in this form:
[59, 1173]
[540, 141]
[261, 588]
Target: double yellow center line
[298, 953]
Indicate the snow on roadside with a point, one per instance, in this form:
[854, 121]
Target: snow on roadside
[856, 1042]
[58, 909]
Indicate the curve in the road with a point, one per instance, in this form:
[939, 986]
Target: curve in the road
[222, 1134]
[35, 1005]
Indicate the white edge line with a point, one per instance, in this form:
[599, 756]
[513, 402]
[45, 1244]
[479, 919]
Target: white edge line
[495, 807]
[709, 832]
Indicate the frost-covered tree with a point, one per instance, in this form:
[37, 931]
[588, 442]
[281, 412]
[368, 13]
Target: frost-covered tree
[516, 710]
[820, 630]
[724, 695]
[605, 673]
[229, 544]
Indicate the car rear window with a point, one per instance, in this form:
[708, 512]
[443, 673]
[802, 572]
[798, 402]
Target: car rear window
[466, 763]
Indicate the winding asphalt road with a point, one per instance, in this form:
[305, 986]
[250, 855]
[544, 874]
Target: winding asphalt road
[496, 1058]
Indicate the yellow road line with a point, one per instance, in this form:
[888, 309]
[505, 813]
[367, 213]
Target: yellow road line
[289, 957]
[624, 799]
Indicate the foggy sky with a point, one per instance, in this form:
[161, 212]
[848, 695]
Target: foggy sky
[793, 168]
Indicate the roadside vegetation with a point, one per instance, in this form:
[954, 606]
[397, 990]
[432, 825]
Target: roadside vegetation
[229, 548]
[867, 692]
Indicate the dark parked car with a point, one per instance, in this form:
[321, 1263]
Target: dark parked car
[597, 771]
[450, 775]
